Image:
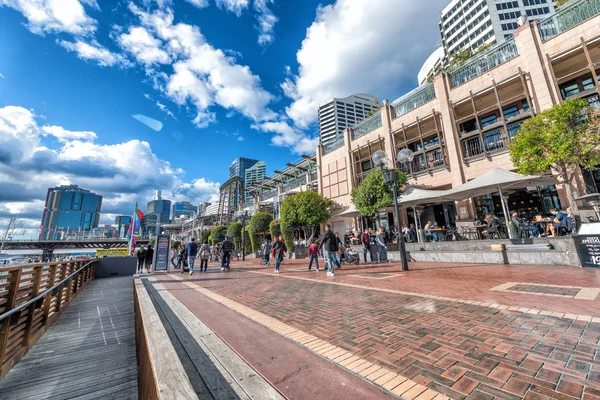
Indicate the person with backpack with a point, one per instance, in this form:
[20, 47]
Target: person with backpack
[279, 250]
[192, 252]
[226, 249]
[329, 244]
[204, 255]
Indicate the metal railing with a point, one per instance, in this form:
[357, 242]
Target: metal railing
[416, 98]
[361, 177]
[329, 147]
[270, 194]
[567, 18]
[295, 183]
[31, 299]
[367, 125]
[513, 129]
[483, 62]
[472, 147]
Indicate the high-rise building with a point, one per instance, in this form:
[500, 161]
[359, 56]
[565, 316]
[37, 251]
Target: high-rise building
[239, 166]
[122, 223]
[337, 114]
[160, 206]
[183, 209]
[69, 209]
[254, 174]
[471, 24]
[202, 207]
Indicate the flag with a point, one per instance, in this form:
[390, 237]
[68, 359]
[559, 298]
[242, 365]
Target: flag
[135, 227]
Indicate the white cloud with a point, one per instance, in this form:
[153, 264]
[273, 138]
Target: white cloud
[203, 75]
[121, 172]
[2, 76]
[63, 135]
[380, 42]
[92, 50]
[266, 22]
[44, 16]
[240, 139]
[198, 3]
[233, 6]
[286, 136]
[144, 47]
[165, 109]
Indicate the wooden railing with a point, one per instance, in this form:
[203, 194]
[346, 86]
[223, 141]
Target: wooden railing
[31, 299]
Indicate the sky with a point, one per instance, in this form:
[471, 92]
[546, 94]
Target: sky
[130, 96]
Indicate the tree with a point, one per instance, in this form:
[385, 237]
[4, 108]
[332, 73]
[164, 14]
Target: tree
[248, 238]
[373, 193]
[235, 232]
[259, 223]
[175, 245]
[275, 229]
[563, 138]
[218, 234]
[561, 2]
[151, 241]
[204, 236]
[305, 211]
[288, 238]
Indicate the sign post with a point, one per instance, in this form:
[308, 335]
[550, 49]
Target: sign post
[588, 250]
[161, 253]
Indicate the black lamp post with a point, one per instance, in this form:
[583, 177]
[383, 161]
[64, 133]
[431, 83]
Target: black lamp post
[390, 176]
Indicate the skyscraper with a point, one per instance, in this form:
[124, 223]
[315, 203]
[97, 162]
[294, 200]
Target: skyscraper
[160, 206]
[239, 166]
[183, 208]
[122, 223]
[69, 209]
[254, 174]
[338, 114]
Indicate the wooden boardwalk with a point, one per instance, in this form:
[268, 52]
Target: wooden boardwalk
[88, 353]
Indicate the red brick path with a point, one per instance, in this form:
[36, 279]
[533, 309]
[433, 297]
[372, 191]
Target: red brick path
[458, 349]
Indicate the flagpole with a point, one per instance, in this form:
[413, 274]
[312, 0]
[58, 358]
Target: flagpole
[129, 249]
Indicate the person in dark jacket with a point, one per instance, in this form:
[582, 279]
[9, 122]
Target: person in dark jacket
[493, 225]
[148, 254]
[517, 224]
[329, 244]
[226, 250]
[192, 252]
[279, 250]
[141, 256]
[365, 238]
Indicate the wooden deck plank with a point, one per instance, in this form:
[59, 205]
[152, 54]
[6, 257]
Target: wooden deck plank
[88, 353]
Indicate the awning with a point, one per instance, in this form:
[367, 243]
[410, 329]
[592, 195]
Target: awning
[351, 211]
[415, 197]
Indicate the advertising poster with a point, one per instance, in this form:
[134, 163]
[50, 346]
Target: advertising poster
[161, 253]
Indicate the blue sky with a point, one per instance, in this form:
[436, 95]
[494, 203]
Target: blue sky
[221, 78]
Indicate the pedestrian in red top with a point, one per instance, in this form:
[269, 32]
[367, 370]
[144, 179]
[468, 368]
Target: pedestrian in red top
[365, 238]
[313, 251]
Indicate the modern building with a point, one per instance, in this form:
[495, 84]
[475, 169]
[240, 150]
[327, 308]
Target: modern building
[471, 24]
[69, 209]
[202, 207]
[432, 65]
[183, 209]
[461, 125]
[338, 114]
[239, 166]
[122, 223]
[254, 175]
[148, 225]
[160, 207]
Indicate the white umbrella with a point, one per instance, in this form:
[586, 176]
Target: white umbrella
[416, 197]
[497, 180]
[350, 211]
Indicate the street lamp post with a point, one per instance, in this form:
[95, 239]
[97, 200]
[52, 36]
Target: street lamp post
[390, 175]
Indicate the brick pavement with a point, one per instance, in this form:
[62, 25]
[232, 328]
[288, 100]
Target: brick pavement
[461, 350]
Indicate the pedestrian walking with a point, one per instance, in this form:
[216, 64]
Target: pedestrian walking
[141, 256]
[279, 250]
[365, 238]
[182, 259]
[340, 251]
[204, 255]
[226, 254]
[148, 255]
[329, 244]
[192, 252]
[266, 249]
[313, 252]
[381, 247]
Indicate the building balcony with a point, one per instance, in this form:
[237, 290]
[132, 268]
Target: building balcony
[331, 146]
[367, 125]
[489, 143]
[567, 18]
[413, 99]
[483, 62]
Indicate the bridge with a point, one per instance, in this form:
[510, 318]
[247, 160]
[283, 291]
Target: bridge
[48, 246]
[92, 329]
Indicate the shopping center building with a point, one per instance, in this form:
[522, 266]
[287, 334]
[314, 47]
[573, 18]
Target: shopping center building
[461, 124]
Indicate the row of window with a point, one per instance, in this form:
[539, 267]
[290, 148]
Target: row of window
[483, 40]
[534, 2]
[538, 11]
[510, 15]
[577, 85]
[509, 26]
[507, 5]
[464, 20]
[446, 17]
[482, 28]
[507, 112]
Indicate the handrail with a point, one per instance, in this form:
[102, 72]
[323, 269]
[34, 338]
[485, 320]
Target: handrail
[5, 268]
[568, 17]
[38, 297]
[367, 125]
[413, 99]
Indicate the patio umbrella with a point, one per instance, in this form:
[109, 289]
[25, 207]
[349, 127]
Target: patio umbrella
[497, 180]
[351, 211]
[416, 197]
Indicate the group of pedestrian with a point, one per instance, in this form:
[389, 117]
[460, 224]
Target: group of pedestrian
[144, 256]
[369, 242]
[206, 252]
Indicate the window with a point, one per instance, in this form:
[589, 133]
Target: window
[534, 2]
[537, 11]
[510, 26]
[515, 109]
[577, 85]
[366, 166]
[488, 120]
[468, 126]
[507, 5]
